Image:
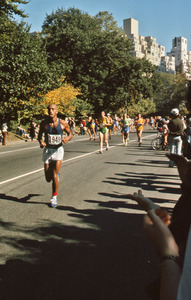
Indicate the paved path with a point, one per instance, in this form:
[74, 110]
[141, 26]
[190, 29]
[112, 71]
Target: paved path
[92, 245]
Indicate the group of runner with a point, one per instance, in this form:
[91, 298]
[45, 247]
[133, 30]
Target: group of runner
[51, 138]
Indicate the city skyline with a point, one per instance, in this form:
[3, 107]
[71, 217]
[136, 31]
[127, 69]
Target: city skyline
[163, 19]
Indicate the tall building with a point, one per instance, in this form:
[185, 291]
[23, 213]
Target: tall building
[147, 47]
[131, 27]
[181, 54]
[167, 65]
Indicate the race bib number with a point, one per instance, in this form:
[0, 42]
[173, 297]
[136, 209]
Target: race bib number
[54, 139]
[102, 125]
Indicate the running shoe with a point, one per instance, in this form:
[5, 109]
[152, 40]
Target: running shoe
[107, 148]
[53, 201]
[101, 151]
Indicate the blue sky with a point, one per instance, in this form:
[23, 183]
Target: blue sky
[164, 19]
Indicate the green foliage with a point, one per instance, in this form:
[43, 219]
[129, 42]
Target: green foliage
[188, 98]
[94, 54]
[9, 8]
[145, 107]
[83, 109]
[13, 125]
[170, 93]
[24, 72]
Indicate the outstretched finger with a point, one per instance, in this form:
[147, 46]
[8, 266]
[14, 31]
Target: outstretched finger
[140, 193]
[132, 196]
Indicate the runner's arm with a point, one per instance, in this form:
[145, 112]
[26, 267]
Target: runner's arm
[68, 131]
[41, 131]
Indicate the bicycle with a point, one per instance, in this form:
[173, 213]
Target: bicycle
[158, 142]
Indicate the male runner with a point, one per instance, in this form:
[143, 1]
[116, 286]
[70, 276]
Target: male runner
[91, 127]
[125, 123]
[139, 122]
[53, 152]
[110, 127]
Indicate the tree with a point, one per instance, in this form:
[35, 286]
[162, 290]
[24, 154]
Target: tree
[87, 50]
[24, 73]
[188, 102]
[94, 54]
[144, 107]
[170, 93]
[8, 8]
[64, 97]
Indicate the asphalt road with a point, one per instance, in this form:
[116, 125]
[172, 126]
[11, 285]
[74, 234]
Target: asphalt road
[92, 245]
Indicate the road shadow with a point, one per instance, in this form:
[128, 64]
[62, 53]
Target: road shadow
[20, 200]
[125, 204]
[146, 183]
[104, 256]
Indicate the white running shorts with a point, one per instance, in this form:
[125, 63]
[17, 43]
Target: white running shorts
[50, 154]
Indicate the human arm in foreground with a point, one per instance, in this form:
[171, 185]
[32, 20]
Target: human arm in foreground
[156, 230]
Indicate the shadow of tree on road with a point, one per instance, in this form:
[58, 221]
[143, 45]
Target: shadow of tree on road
[145, 182]
[104, 256]
[16, 199]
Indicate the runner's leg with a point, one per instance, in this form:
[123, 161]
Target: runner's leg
[125, 138]
[89, 131]
[93, 129]
[106, 140]
[48, 171]
[101, 141]
[55, 182]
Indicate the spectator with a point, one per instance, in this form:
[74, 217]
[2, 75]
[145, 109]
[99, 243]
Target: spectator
[81, 128]
[172, 238]
[165, 134]
[84, 126]
[152, 123]
[20, 130]
[32, 132]
[176, 129]
[159, 123]
[4, 134]
[188, 129]
[71, 124]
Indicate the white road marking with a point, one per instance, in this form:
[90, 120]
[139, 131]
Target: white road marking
[67, 160]
[22, 149]
[31, 148]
